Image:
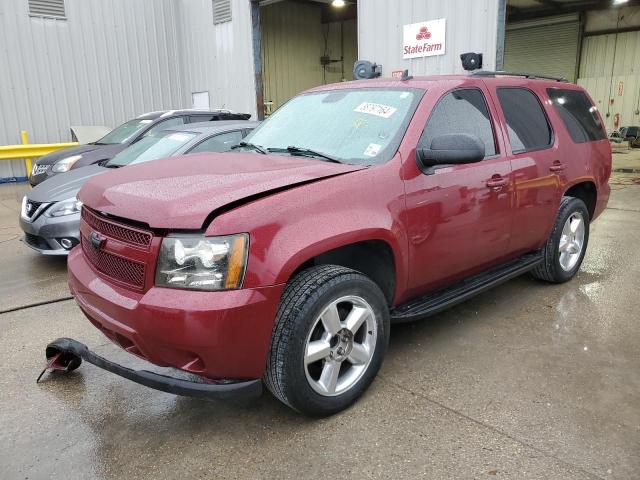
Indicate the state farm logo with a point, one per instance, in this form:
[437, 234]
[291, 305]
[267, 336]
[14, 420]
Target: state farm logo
[423, 39]
[423, 34]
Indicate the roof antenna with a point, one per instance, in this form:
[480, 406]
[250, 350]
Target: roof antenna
[406, 76]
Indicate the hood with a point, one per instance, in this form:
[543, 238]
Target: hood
[181, 192]
[90, 154]
[64, 186]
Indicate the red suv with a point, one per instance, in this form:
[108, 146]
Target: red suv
[352, 207]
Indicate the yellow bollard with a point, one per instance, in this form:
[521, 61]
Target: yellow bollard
[24, 137]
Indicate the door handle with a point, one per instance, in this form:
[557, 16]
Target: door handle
[497, 181]
[557, 167]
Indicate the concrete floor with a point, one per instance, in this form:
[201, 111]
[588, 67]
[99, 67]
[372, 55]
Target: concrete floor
[526, 381]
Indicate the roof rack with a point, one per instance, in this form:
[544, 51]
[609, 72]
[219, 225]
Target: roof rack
[486, 73]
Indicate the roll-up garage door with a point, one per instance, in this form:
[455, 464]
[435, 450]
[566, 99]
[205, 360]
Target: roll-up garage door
[546, 47]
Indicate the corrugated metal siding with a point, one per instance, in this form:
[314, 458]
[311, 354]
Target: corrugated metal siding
[292, 44]
[601, 75]
[58, 73]
[111, 61]
[471, 27]
[217, 58]
[544, 49]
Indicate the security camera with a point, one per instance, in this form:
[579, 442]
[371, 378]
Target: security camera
[471, 61]
[363, 70]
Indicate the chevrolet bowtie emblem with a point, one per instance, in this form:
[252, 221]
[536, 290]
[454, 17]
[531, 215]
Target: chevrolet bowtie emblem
[97, 240]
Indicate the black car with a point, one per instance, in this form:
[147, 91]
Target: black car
[120, 138]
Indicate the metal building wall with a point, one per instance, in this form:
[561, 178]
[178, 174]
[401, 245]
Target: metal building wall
[472, 26]
[217, 58]
[602, 72]
[110, 61]
[106, 63]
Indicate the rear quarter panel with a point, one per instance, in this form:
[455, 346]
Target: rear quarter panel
[587, 161]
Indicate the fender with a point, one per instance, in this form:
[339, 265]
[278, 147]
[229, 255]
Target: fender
[331, 243]
[290, 227]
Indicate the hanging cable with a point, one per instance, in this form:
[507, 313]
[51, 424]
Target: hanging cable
[613, 63]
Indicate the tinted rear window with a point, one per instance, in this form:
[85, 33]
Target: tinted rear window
[526, 122]
[579, 115]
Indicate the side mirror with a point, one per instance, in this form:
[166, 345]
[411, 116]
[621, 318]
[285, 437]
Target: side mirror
[450, 149]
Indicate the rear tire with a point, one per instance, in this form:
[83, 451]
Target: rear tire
[565, 249]
[330, 335]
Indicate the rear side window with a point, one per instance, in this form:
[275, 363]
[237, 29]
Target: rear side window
[526, 122]
[578, 114]
[165, 124]
[219, 143]
[461, 111]
[203, 118]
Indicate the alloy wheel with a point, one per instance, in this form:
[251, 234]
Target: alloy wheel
[340, 345]
[571, 241]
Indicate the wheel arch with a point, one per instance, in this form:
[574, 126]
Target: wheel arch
[586, 191]
[376, 256]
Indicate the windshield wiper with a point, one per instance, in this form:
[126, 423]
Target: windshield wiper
[252, 146]
[306, 151]
[112, 165]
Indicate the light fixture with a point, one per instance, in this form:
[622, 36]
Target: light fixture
[337, 3]
[619, 2]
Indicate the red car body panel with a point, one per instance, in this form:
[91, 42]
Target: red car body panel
[217, 334]
[162, 194]
[440, 227]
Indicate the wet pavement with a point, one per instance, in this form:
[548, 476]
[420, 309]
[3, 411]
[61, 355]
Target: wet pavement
[27, 278]
[528, 380]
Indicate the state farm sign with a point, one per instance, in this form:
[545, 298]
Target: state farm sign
[424, 39]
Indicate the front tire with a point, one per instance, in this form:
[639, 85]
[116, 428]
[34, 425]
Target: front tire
[329, 338]
[564, 251]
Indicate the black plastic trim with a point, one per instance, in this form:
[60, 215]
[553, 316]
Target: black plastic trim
[164, 383]
[440, 300]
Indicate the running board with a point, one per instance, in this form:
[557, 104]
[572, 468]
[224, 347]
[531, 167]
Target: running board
[435, 302]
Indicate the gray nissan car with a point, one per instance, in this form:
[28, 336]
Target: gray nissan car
[50, 216]
[120, 138]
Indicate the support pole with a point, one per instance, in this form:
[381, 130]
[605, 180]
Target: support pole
[24, 138]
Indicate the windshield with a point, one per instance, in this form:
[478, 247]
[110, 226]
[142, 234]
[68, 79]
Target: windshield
[152, 147]
[124, 132]
[361, 126]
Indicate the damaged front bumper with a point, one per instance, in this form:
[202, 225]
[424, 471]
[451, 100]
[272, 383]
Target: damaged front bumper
[66, 354]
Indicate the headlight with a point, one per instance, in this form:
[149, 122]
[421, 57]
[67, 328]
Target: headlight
[66, 207]
[202, 263]
[65, 164]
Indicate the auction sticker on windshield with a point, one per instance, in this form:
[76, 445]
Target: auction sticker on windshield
[372, 150]
[377, 109]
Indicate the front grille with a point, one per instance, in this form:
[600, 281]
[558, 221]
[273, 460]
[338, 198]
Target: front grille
[31, 209]
[111, 229]
[118, 268]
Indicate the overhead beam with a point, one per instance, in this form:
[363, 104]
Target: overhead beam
[553, 7]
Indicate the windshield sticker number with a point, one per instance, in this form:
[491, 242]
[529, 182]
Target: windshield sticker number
[404, 94]
[372, 150]
[376, 109]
